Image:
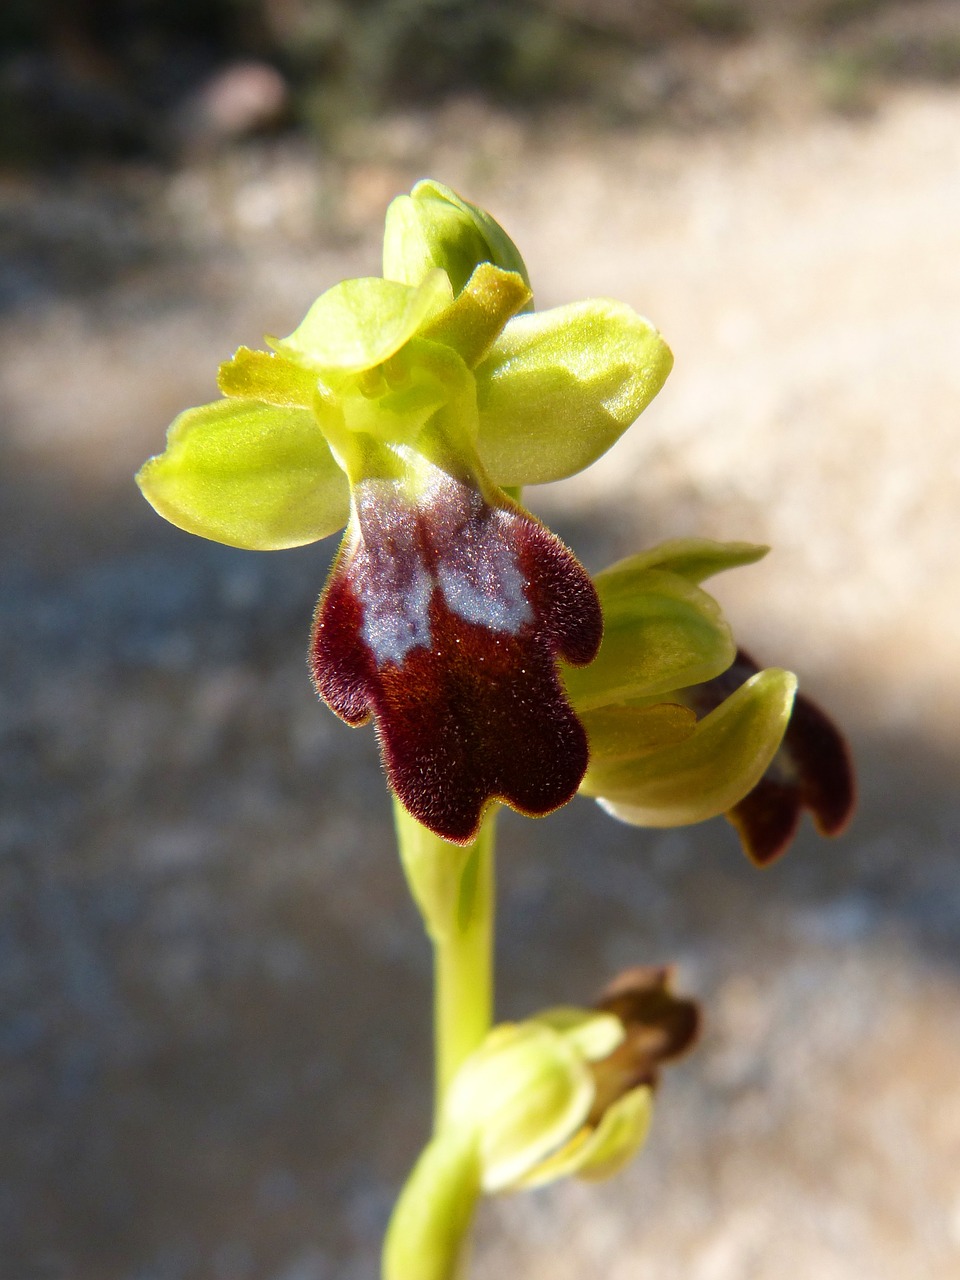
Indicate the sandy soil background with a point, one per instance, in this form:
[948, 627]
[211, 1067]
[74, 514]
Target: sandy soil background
[214, 1030]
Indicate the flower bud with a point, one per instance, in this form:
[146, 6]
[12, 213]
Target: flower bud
[569, 1091]
[566, 1092]
[434, 227]
[524, 1091]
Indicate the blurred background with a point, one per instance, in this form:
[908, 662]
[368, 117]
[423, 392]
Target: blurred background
[214, 993]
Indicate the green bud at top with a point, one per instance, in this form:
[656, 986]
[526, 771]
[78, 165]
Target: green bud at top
[433, 227]
[358, 324]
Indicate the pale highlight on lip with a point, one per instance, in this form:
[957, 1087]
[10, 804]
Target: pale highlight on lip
[478, 575]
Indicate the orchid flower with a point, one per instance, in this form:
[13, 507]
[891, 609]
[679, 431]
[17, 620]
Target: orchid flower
[404, 408]
[683, 726]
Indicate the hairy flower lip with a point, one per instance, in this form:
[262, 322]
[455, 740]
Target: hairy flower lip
[444, 620]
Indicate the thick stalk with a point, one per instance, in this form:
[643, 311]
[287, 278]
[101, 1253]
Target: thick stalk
[463, 966]
[454, 889]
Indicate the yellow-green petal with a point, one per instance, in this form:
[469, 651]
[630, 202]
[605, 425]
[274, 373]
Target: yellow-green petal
[593, 1034]
[526, 1090]
[266, 376]
[360, 323]
[618, 1137]
[623, 732]
[710, 771]
[473, 321]
[560, 387]
[600, 1152]
[660, 633]
[248, 474]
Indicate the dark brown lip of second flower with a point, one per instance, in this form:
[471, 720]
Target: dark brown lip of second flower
[812, 770]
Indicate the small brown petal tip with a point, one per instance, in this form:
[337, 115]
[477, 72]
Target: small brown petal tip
[822, 759]
[766, 820]
[813, 770]
[659, 1027]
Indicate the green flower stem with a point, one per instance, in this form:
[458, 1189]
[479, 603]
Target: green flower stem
[454, 889]
[463, 965]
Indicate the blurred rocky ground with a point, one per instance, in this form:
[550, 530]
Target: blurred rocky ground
[214, 994]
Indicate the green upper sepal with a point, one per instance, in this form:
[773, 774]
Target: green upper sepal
[358, 324]
[434, 227]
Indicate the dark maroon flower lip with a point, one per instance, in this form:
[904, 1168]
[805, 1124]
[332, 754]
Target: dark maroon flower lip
[813, 771]
[444, 621]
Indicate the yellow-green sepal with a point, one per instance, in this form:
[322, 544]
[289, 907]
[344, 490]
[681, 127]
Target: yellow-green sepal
[618, 1137]
[248, 474]
[428, 1230]
[592, 1034]
[525, 1091]
[602, 1150]
[358, 324]
[661, 632]
[434, 227]
[559, 387]
[475, 318]
[695, 559]
[707, 773]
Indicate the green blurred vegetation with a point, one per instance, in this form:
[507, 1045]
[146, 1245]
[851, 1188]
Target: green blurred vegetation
[82, 77]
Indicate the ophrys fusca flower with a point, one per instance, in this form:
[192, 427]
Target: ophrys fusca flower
[404, 407]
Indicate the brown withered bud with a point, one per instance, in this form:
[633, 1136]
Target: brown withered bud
[659, 1027]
